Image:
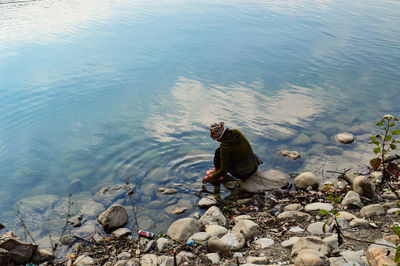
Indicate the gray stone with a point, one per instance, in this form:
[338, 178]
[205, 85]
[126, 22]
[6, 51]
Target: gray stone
[187, 256]
[213, 216]
[216, 230]
[207, 202]
[389, 205]
[377, 175]
[122, 232]
[305, 180]
[145, 223]
[257, 260]
[75, 186]
[352, 200]
[316, 207]
[372, 210]
[215, 244]
[113, 218]
[293, 207]
[167, 191]
[310, 242]
[214, 257]
[393, 211]
[167, 261]
[5, 258]
[91, 208]
[109, 194]
[311, 257]
[290, 242]
[363, 186]
[361, 223]
[247, 228]
[83, 260]
[353, 256]
[21, 252]
[97, 238]
[317, 228]
[332, 242]
[149, 246]
[296, 229]
[200, 237]
[261, 181]
[149, 260]
[345, 138]
[234, 241]
[182, 229]
[293, 155]
[319, 137]
[263, 243]
[161, 243]
[343, 223]
[155, 204]
[301, 139]
[294, 216]
[124, 255]
[242, 217]
[41, 255]
[389, 195]
[346, 215]
[75, 221]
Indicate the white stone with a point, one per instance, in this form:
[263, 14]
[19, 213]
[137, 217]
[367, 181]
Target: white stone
[332, 241]
[263, 243]
[363, 186]
[296, 229]
[346, 215]
[359, 223]
[122, 232]
[311, 257]
[393, 211]
[293, 155]
[310, 242]
[345, 138]
[124, 255]
[261, 181]
[149, 260]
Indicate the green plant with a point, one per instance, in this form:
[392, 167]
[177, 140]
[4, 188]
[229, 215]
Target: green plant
[385, 143]
[396, 258]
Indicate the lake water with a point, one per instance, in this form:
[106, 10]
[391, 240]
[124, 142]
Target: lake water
[99, 91]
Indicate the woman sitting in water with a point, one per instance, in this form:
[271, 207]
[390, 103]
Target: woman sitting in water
[234, 155]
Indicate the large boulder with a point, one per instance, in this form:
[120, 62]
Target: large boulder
[305, 180]
[261, 181]
[5, 258]
[113, 218]
[21, 252]
[182, 229]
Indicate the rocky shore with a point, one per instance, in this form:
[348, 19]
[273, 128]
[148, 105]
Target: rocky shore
[346, 223]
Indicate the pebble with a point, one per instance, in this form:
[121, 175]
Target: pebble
[359, 223]
[345, 138]
[393, 211]
[296, 229]
[317, 228]
[293, 207]
[214, 257]
[207, 202]
[314, 208]
[263, 243]
[372, 210]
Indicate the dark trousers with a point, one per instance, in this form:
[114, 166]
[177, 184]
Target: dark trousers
[231, 167]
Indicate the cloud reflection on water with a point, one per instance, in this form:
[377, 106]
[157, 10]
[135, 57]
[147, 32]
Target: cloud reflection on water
[193, 106]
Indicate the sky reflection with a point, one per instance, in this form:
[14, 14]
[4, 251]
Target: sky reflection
[194, 105]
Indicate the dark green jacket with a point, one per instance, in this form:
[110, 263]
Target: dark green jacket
[234, 148]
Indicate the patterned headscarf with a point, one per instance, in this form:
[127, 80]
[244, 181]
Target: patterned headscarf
[217, 130]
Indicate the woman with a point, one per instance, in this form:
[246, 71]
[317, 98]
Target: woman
[234, 155]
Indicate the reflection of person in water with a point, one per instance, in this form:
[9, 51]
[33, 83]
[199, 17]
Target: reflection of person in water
[234, 155]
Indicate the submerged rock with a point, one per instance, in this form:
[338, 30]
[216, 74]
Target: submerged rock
[21, 252]
[293, 155]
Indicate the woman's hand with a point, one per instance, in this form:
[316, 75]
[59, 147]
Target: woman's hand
[207, 178]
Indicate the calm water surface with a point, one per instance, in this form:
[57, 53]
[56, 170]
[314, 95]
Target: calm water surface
[99, 91]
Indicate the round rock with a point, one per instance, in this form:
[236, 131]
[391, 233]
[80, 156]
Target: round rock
[306, 179]
[207, 202]
[216, 230]
[113, 218]
[372, 210]
[352, 200]
[213, 216]
[345, 138]
[247, 228]
[263, 243]
[182, 229]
